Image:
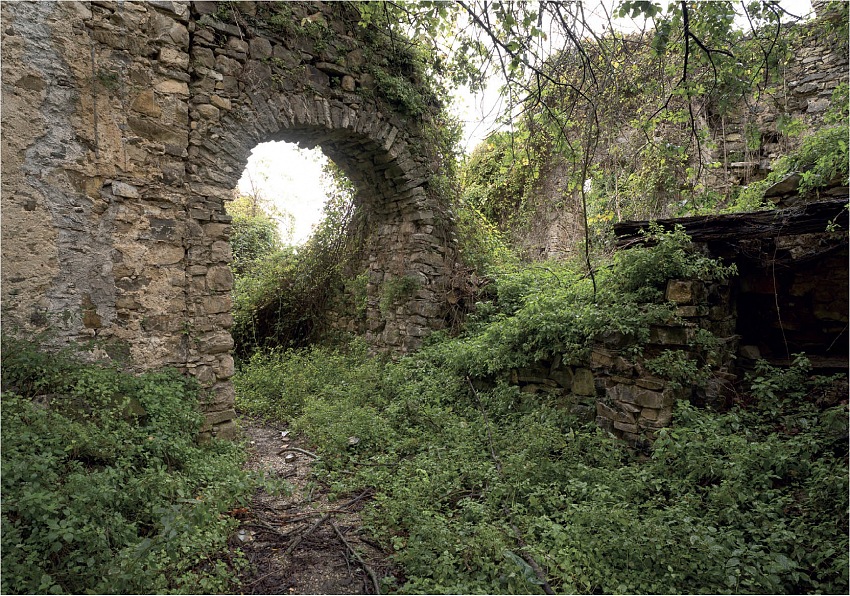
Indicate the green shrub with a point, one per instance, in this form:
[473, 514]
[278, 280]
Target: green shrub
[282, 298]
[280, 383]
[473, 478]
[727, 503]
[104, 487]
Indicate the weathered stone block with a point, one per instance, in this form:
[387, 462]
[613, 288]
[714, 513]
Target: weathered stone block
[221, 252]
[227, 431]
[226, 367]
[563, 376]
[217, 304]
[216, 231]
[603, 410]
[219, 278]
[669, 335]
[174, 58]
[626, 417]
[220, 102]
[260, 48]
[122, 189]
[689, 311]
[215, 342]
[651, 383]
[583, 383]
[628, 407]
[685, 292]
[213, 418]
[208, 112]
[172, 87]
[626, 427]
[145, 103]
[650, 399]
[621, 393]
[166, 254]
[601, 358]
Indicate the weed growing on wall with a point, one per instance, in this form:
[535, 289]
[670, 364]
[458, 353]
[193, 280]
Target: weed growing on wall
[105, 489]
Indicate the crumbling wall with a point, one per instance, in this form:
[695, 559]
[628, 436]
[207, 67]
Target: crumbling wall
[126, 125]
[742, 141]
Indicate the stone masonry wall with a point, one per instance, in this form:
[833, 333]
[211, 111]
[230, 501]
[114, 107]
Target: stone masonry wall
[619, 392]
[125, 127]
[751, 137]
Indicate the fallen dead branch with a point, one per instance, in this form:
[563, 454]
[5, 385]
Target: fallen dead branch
[298, 450]
[359, 559]
[306, 533]
[270, 528]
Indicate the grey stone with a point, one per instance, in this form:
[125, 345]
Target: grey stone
[215, 342]
[260, 48]
[122, 189]
[785, 186]
[583, 383]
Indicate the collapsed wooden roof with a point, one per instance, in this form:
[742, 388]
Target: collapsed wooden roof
[809, 218]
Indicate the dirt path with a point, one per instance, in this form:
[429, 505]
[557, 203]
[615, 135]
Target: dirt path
[302, 543]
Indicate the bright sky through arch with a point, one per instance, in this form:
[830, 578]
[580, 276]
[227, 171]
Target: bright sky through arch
[291, 179]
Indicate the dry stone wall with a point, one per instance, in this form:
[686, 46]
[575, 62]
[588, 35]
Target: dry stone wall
[749, 138]
[126, 125]
[618, 391]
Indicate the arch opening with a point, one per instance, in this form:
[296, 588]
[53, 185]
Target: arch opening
[297, 260]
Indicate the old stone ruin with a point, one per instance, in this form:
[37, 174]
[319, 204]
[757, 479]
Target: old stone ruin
[126, 125]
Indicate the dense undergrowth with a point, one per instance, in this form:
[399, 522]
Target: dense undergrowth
[480, 488]
[105, 489]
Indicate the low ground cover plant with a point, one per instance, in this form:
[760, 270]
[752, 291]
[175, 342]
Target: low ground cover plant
[480, 488]
[105, 489]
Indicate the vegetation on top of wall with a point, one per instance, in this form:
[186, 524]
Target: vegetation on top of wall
[821, 157]
[638, 143]
[282, 298]
[105, 489]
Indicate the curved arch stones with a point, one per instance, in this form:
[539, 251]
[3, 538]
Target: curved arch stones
[126, 125]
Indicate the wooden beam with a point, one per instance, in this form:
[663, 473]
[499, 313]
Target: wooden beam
[804, 219]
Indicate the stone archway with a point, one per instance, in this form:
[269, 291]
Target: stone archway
[405, 241]
[126, 126]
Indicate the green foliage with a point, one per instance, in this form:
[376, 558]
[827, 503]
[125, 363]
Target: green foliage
[280, 383]
[551, 309]
[679, 368]
[282, 299]
[251, 239]
[482, 246]
[497, 178]
[643, 270]
[104, 487]
[469, 483]
[822, 157]
[400, 92]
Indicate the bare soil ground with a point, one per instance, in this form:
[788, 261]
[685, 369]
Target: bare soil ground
[302, 543]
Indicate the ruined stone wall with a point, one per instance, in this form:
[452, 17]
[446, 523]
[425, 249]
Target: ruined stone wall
[126, 125]
[743, 141]
[749, 138]
[618, 391]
